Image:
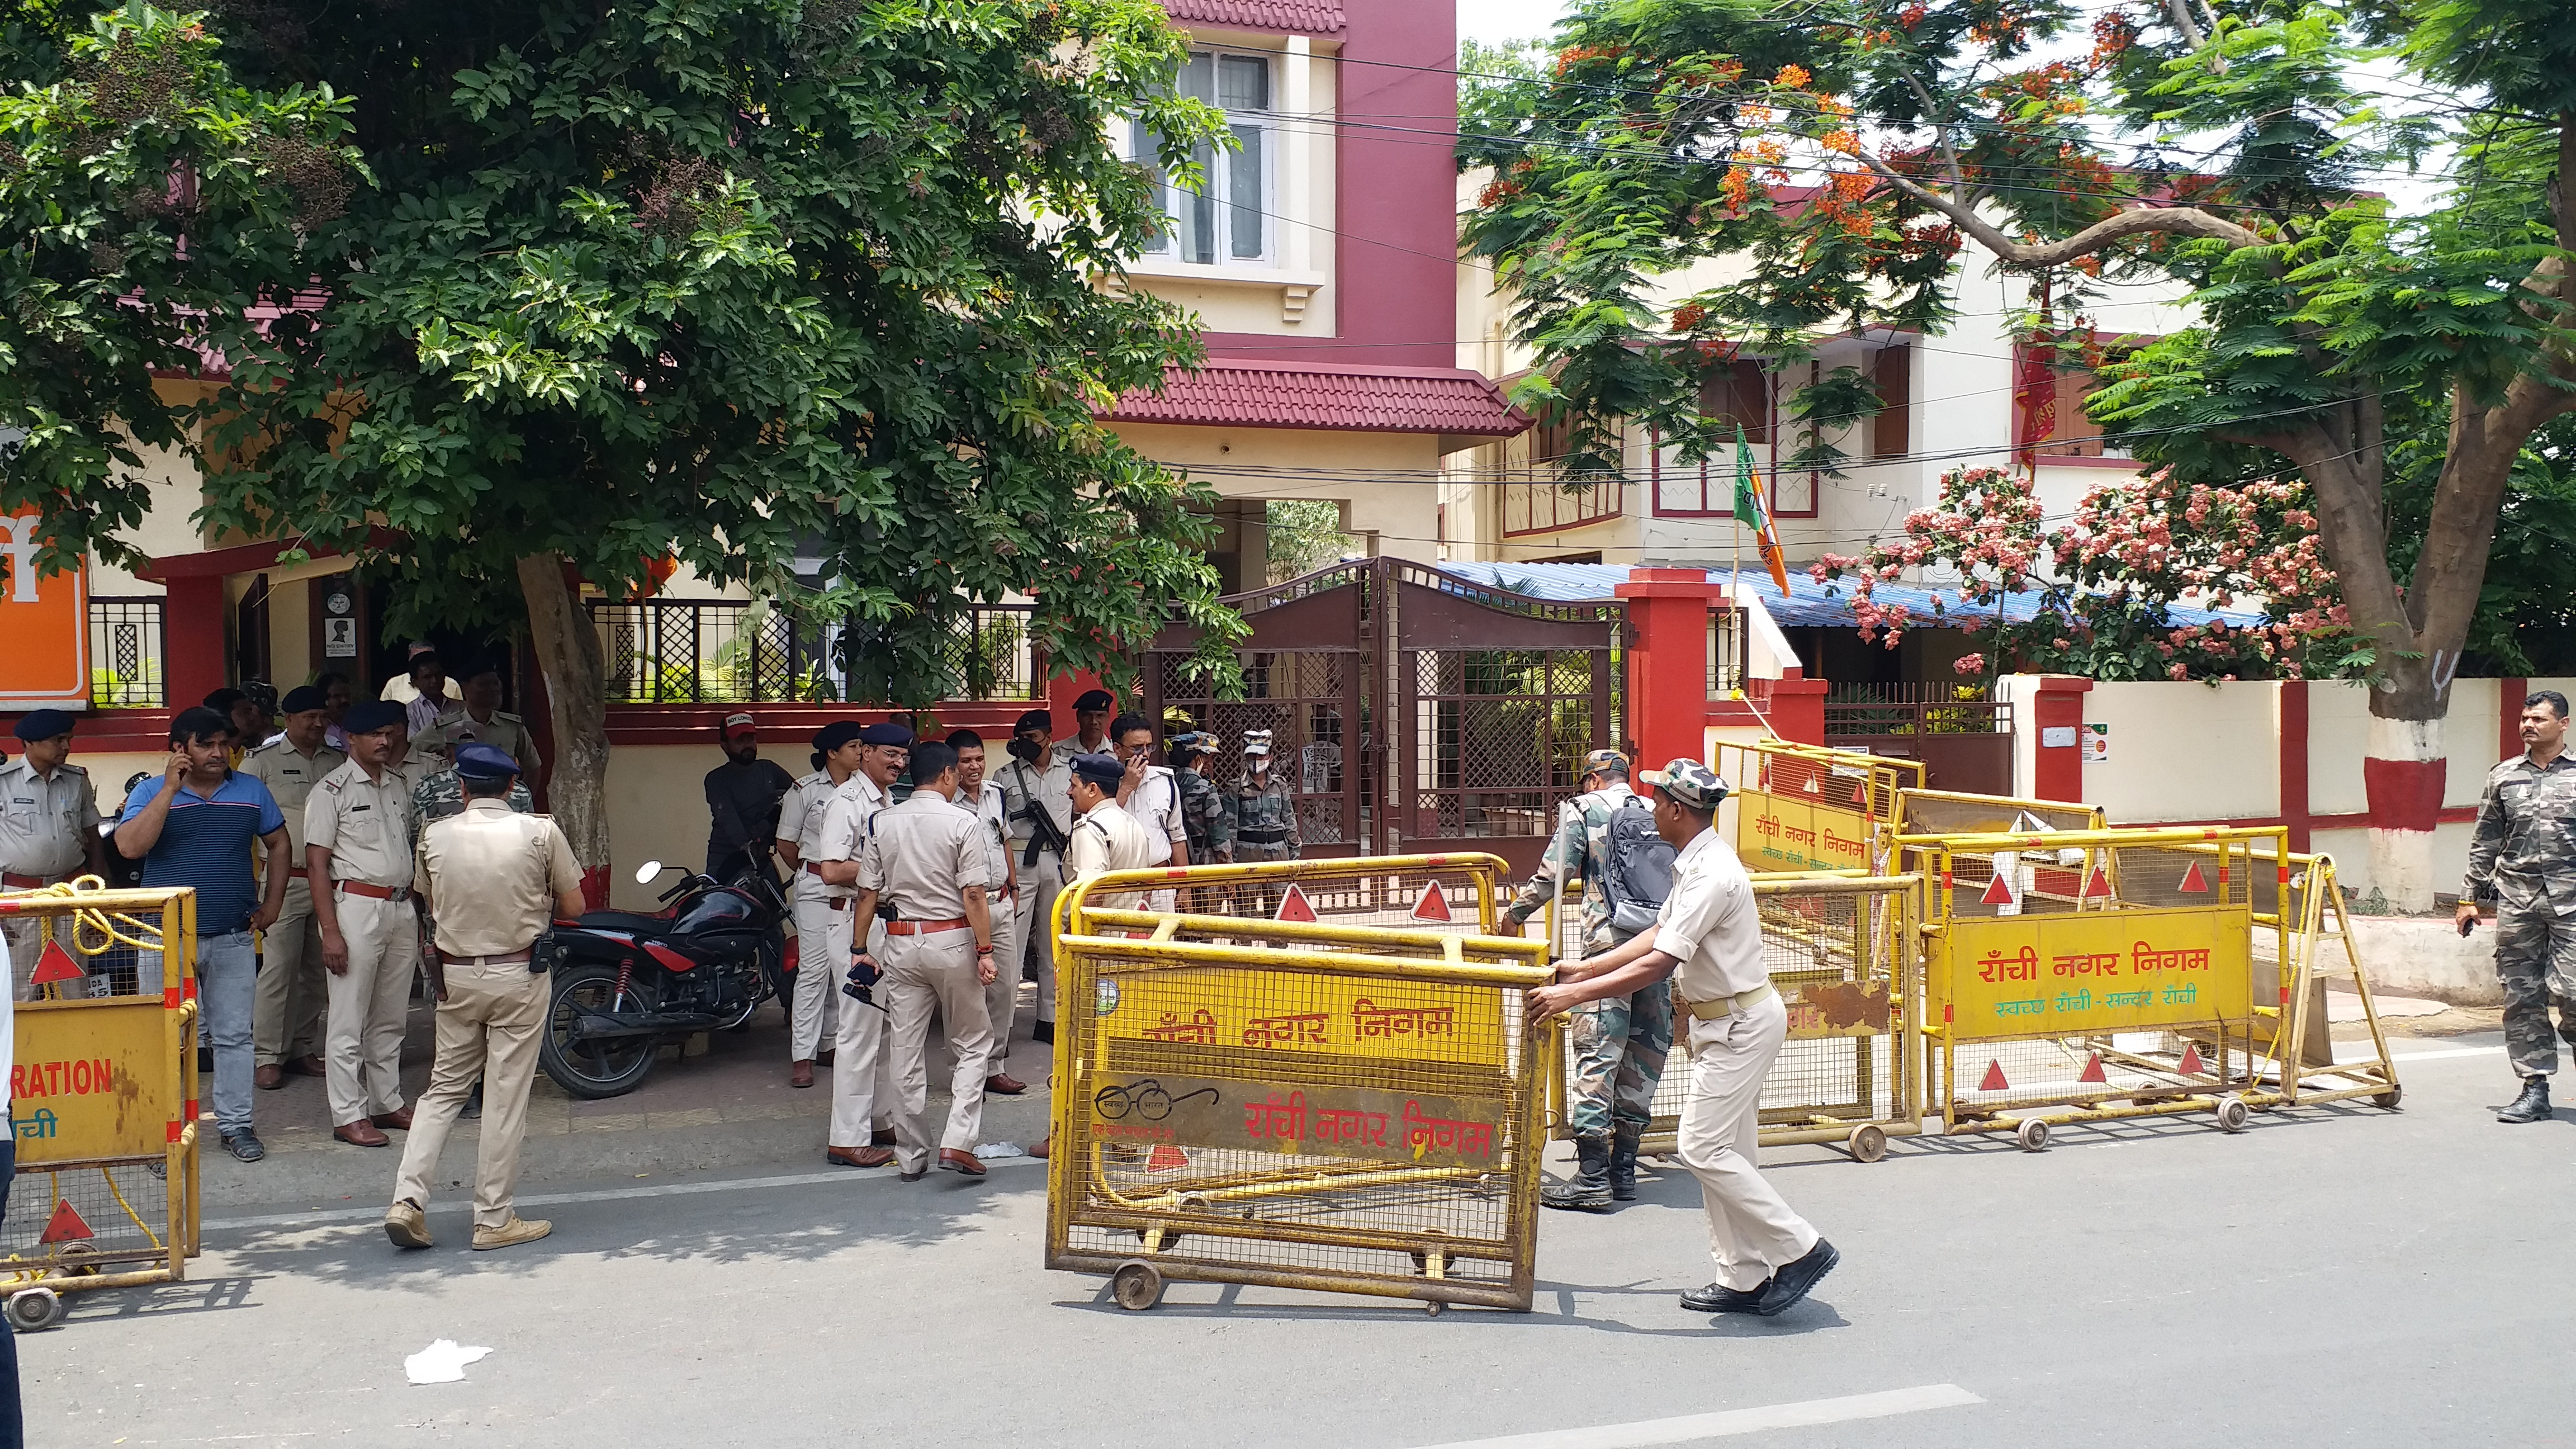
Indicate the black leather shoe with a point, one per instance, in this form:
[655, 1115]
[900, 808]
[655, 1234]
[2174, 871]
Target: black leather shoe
[1718, 1298]
[1791, 1282]
[2531, 1106]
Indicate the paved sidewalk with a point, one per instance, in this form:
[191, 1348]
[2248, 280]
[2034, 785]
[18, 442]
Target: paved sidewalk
[730, 1108]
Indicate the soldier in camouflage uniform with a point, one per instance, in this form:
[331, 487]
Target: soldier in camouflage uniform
[1261, 817]
[1202, 807]
[2524, 860]
[1619, 1043]
[442, 794]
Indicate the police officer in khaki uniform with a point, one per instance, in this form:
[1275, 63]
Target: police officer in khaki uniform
[984, 800]
[48, 828]
[823, 920]
[1708, 941]
[1105, 838]
[859, 1060]
[357, 835]
[925, 858]
[287, 1029]
[492, 880]
[481, 718]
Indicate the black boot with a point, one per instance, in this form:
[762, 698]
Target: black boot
[1589, 1192]
[2532, 1105]
[1623, 1163]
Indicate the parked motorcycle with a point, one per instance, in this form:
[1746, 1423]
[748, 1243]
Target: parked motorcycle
[625, 982]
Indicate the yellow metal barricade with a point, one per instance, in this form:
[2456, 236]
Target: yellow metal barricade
[2096, 974]
[104, 1096]
[1296, 1104]
[1805, 808]
[1839, 950]
[1462, 893]
[2294, 1038]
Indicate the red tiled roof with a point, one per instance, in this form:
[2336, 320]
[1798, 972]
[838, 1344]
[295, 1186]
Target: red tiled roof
[1342, 399]
[1298, 17]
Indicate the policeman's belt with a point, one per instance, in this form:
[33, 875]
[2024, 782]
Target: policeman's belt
[837, 903]
[816, 871]
[923, 928]
[1723, 1007]
[17, 882]
[519, 959]
[1263, 837]
[380, 893]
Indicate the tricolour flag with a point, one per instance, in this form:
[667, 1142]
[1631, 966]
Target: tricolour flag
[1754, 514]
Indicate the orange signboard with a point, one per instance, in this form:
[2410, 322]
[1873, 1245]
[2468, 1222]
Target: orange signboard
[45, 620]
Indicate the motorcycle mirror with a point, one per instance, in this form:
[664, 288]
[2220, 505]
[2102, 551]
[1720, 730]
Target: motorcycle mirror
[645, 873]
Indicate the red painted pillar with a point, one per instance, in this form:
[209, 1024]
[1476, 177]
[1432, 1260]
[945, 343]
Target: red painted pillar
[1798, 707]
[1668, 662]
[2294, 762]
[192, 627]
[2057, 712]
[2510, 692]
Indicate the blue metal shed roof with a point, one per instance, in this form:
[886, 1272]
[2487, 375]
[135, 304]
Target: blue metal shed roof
[1808, 603]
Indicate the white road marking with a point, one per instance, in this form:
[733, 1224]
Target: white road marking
[332, 1216]
[2439, 1054]
[1734, 1421]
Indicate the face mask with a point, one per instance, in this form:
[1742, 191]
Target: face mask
[1023, 748]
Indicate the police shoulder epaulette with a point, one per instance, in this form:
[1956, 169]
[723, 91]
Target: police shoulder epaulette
[503, 714]
[72, 768]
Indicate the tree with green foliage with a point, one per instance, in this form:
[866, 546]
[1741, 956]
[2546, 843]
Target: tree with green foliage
[501, 296]
[1845, 153]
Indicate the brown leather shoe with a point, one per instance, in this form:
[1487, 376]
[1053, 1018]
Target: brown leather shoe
[957, 1159]
[268, 1078]
[307, 1065]
[361, 1134]
[882, 1137]
[858, 1156]
[801, 1074]
[1003, 1084]
[398, 1119]
[1043, 1144]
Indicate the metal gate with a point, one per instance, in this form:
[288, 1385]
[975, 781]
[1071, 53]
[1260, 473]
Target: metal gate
[1409, 707]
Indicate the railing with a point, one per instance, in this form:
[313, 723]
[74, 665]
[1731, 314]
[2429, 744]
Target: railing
[731, 651]
[125, 653]
[1728, 652]
[1915, 709]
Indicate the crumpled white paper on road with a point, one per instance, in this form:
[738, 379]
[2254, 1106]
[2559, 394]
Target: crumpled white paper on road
[442, 1362]
[991, 1150]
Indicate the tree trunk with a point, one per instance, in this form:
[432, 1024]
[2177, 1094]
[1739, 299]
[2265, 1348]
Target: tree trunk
[577, 689]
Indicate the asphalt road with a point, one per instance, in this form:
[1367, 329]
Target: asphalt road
[2339, 1274]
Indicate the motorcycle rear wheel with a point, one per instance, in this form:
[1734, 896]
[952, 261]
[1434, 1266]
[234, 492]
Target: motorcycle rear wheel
[600, 1067]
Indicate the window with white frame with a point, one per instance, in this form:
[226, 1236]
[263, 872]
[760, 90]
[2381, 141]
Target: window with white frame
[1226, 219]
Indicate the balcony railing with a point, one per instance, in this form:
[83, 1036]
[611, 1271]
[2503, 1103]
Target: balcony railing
[125, 653]
[1728, 650]
[1915, 709]
[730, 651]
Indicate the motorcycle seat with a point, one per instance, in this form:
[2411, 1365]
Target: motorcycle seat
[634, 921]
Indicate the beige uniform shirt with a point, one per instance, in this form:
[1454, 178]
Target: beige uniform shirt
[290, 776]
[992, 827]
[800, 824]
[1156, 805]
[492, 876]
[46, 823]
[365, 824]
[844, 829]
[921, 857]
[504, 732]
[1051, 787]
[1711, 923]
[1110, 839]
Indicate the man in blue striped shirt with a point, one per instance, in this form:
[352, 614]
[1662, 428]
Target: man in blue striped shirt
[194, 827]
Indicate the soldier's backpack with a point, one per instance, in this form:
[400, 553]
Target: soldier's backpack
[1636, 867]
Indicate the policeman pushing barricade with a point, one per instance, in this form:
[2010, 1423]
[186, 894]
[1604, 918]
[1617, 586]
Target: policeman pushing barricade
[2523, 861]
[1606, 836]
[924, 860]
[1707, 940]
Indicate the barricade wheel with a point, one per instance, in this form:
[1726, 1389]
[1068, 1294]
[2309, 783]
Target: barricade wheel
[33, 1310]
[1868, 1144]
[2232, 1113]
[1137, 1285]
[2032, 1134]
[2389, 1098]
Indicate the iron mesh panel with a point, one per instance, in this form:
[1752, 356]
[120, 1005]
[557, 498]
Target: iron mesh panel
[1300, 697]
[125, 1206]
[1500, 736]
[109, 963]
[125, 647]
[1364, 891]
[2052, 1072]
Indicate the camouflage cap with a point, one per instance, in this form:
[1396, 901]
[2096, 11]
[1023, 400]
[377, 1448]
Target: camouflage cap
[1600, 760]
[1196, 742]
[1256, 742]
[1689, 783]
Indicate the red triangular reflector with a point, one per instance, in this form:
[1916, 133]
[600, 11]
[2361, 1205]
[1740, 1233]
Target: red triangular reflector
[1295, 907]
[56, 965]
[1999, 891]
[2194, 881]
[2093, 1071]
[2191, 1062]
[1994, 1081]
[1432, 904]
[1166, 1159]
[2099, 885]
[65, 1225]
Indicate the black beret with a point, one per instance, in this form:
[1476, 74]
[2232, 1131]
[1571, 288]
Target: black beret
[1094, 699]
[1102, 770]
[836, 734]
[301, 698]
[478, 761]
[1036, 719]
[44, 724]
[370, 715]
[885, 734]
